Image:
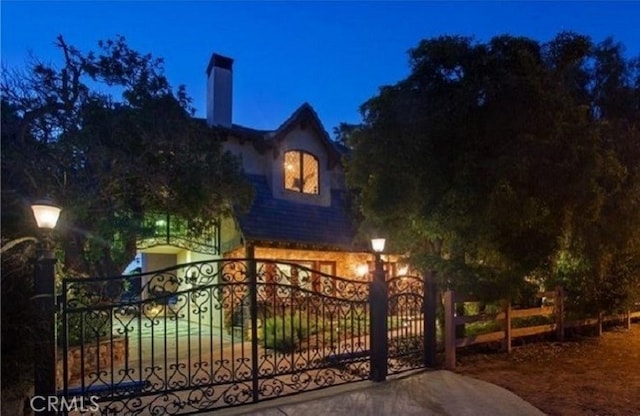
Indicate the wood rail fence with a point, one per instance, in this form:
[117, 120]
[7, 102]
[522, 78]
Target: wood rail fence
[552, 308]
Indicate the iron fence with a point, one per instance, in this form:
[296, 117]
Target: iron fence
[223, 333]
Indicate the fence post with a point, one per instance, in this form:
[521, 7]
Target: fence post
[429, 318]
[600, 321]
[559, 306]
[628, 318]
[45, 302]
[449, 330]
[253, 311]
[506, 308]
[378, 303]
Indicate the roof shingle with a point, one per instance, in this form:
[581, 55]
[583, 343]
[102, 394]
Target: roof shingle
[290, 222]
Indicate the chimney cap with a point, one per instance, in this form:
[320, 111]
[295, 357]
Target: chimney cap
[219, 61]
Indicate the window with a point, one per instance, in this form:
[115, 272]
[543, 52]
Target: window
[301, 172]
[290, 275]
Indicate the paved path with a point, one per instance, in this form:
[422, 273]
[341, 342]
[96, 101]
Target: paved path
[425, 393]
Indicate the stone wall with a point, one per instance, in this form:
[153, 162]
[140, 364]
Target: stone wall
[349, 265]
[100, 355]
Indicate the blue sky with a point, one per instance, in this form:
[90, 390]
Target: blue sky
[334, 55]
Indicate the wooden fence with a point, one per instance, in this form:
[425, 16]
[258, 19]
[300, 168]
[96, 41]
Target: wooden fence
[552, 307]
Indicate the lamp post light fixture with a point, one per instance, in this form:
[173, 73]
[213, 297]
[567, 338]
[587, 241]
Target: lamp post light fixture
[46, 214]
[377, 245]
[378, 301]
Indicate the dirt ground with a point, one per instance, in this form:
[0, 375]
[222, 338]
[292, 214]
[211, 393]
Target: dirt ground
[586, 375]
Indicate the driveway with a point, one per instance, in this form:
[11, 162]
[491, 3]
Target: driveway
[423, 393]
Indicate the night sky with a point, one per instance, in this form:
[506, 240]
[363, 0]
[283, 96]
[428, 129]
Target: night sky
[334, 55]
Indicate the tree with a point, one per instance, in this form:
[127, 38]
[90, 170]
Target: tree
[600, 263]
[487, 159]
[110, 160]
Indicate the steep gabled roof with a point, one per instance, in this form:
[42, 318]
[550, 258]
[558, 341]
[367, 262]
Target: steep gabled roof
[286, 222]
[306, 117]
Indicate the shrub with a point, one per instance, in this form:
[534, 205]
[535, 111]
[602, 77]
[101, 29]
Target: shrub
[95, 324]
[482, 327]
[285, 333]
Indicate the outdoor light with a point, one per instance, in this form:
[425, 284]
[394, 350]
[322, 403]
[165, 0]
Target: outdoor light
[362, 269]
[46, 213]
[378, 300]
[377, 244]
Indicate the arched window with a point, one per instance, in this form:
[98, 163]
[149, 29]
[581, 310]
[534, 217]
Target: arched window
[301, 172]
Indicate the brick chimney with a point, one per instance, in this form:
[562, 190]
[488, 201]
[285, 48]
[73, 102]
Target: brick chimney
[219, 90]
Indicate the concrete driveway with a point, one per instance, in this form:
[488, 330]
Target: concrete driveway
[424, 393]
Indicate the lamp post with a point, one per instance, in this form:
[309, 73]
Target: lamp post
[378, 300]
[46, 214]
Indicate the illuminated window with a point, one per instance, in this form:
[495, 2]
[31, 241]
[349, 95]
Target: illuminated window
[301, 172]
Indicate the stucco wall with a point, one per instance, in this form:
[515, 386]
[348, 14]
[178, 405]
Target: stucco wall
[230, 237]
[271, 163]
[253, 162]
[156, 261]
[152, 262]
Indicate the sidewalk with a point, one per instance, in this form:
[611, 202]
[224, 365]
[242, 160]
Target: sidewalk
[423, 393]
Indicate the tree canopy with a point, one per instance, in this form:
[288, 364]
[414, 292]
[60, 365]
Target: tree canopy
[504, 161]
[109, 139]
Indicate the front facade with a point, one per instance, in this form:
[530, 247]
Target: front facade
[299, 214]
[273, 301]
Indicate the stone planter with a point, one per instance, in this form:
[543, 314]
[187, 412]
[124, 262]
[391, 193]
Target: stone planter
[100, 355]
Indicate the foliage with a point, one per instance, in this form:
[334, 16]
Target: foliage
[85, 328]
[482, 327]
[89, 312]
[491, 160]
[285, 333]
[485, 327]
[289, 332]
[108, 138]
[20, 338]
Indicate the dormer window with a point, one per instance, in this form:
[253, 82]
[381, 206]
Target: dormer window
[301, 172]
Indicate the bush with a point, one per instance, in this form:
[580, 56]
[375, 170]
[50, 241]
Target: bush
[285, 333]
[97, 326]
[482, 327]
[89, 318]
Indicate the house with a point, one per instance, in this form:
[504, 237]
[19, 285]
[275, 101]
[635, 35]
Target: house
[300, 213]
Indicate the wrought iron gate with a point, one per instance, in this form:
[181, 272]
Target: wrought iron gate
[406, 348]
[215, 334]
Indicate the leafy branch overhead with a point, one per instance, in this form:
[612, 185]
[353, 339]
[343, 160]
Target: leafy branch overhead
[109, 138]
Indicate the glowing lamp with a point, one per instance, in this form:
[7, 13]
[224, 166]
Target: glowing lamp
[377, 244]
[46, 214]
